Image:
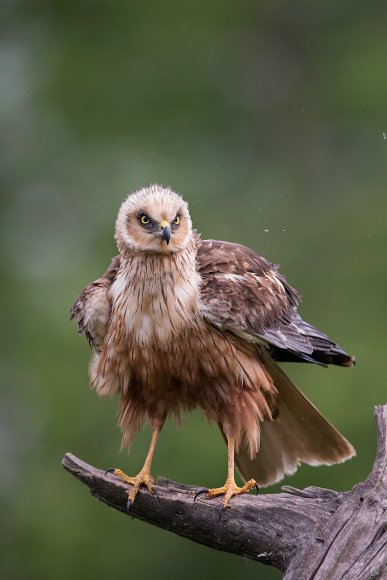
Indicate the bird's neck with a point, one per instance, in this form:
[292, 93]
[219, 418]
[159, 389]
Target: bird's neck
[157, 295]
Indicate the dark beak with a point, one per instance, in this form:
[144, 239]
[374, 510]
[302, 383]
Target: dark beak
[166, 235]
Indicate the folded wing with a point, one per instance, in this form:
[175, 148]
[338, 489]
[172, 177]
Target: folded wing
[245, 294]
[92, 308]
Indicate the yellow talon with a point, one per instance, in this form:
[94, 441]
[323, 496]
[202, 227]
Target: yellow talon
[229, 489]
[144, 477]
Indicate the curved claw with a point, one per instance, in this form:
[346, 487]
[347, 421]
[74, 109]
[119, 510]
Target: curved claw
[256, 488]
[155, 493]
[200, 492]
[111, 470]
[128, 505]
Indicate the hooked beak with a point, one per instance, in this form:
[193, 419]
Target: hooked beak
[166, 235]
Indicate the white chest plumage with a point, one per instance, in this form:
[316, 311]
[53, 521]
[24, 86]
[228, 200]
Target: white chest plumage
[155, 297]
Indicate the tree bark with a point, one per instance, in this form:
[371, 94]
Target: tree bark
[307, 534]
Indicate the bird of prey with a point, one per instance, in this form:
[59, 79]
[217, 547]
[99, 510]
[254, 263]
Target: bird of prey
[178, 323]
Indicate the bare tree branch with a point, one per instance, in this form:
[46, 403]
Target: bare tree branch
[312, 533]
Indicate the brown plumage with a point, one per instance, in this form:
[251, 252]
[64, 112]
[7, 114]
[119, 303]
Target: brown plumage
[179, 323]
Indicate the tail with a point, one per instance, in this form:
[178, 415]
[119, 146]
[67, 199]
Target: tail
[299, 434]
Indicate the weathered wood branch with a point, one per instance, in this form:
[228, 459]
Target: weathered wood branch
[313, 533]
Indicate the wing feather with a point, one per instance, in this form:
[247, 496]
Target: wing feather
[91, 309]
[241, 290]
[244, 293]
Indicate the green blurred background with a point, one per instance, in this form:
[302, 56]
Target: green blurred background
[269, 117]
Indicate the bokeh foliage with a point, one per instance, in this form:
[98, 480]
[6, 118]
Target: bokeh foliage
[269, 117]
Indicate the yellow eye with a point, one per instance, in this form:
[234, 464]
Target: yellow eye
[177, 220]
[145, 220]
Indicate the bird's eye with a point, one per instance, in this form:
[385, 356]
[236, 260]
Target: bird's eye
[145, 220]
[176, 220]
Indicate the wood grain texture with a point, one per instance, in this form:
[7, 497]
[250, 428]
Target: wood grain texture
[314, 533]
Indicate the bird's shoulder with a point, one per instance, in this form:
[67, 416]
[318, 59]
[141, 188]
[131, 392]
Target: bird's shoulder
[91, 309]
[242, 289]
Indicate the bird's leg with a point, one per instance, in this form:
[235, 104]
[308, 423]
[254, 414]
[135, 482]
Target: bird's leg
[230, 488]
[144, 476]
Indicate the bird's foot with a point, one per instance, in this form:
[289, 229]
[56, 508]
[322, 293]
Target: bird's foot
[142, 478]
[229, 489]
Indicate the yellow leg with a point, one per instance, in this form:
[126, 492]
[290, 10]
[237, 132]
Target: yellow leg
[144, 477]
[230, 488]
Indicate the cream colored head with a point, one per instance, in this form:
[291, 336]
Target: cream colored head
[153, 219]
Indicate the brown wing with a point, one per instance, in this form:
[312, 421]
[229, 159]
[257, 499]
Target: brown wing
[92, 308]
[241, 290]
[244, 293]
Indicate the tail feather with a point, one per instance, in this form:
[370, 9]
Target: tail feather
[299, 434]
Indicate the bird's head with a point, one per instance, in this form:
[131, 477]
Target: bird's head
[154, 219]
